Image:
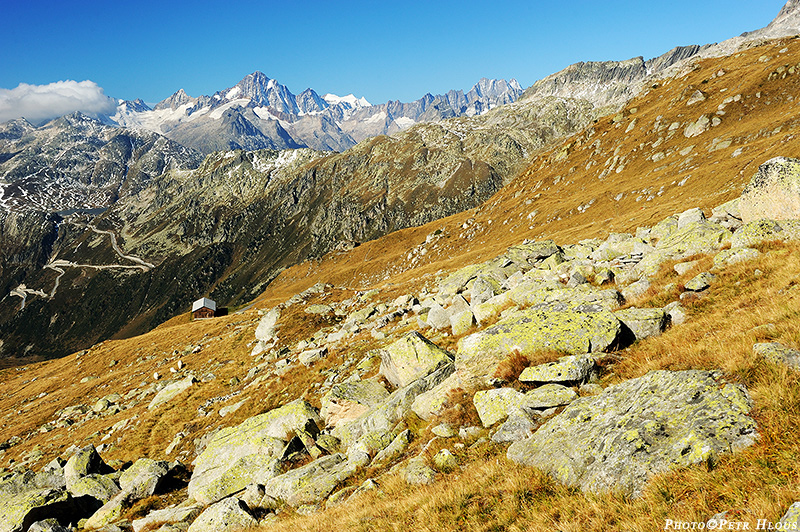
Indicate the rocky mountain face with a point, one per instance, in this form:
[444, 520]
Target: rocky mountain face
[258, 112]
[76, 162]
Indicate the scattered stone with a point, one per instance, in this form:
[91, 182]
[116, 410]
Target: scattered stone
[310, 356]
[438, 317]
[548, 396]
[393, 451]
[493, 405]
[183, 513]
[643, 322]
[574, 368]
[238, 456]
[755, 232]
[445, 461]
[519, 425]
[643, 426]
[311, 483]
[778, 354]
[230, 409]
[635, 289]
[676, 313]
[319, 309]
[683, 267]
[18, 511]
[416, 472]
[734, 255]
[689, 217]
[444, 430]
[143, 478]
[228, 515]
[170, 391]
[700, 282]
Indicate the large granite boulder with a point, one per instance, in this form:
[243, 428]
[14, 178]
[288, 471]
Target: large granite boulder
[311, 483]
[20, 511]
[412, 357]
[348, 400]
[250, 452]
[773, 192]
[228, 515]
[640, 427]
[568, 328]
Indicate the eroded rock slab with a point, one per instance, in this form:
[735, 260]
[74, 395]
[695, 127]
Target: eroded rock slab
[643, 426]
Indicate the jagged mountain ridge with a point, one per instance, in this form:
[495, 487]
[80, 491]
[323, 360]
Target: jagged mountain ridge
[77, 162]
[275, 118]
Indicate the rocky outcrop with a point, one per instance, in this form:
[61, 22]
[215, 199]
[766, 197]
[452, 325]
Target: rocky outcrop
[571, 329]
[640, 427]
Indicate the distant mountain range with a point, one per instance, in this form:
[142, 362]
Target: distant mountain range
[258, 112]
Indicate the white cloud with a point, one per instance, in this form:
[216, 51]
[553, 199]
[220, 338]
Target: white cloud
[38, 103]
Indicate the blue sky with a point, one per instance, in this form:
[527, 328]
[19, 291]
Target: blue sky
[379, 50]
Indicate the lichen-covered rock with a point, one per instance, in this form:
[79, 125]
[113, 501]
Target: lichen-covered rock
[461, 322]
[49, 525]
[238, 456]
[348, 400]
[697, 237]
[445, 461]
[438, 317]
[640, 427]
[17, 513]
[415, 472]
[393, 451]
[700, 282]
[311, 483]
[385, 415]
[755, 232]
[310, 356]
[548, 396]
[519, 425]
[791, 519]
[573, 368]
[571, 329]
[99, 487]
[428, 404]
[267, 326]
[734, 255]
[170, 391]
[410, 358]
[643, 322]
[676, 313]
[778, 354]
[183, 513]
[493, 405]
[773, 192]
[84, 462]
[492, 307]
[110, 512]
[228, 515]
[143, 477]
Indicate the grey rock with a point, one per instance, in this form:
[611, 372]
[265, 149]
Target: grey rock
[395, 450]
[347, 401]
[48, 525]
[643, 322]
[676, 313]
[445, 461]
[735, 255]
[182, 513]
[574, 368]
[18, 512]
[170, 391]
[100, 487]
[84, 462]
[311, 483]
[310, 356]
[700, 282]
[638, 428]
[142, 479]
[228, 515]
[548, 396]
[519, 425]
[412, 357]
[773, 192]
[248, 453]
[791, 519]
[689, 217]
[571, 329]
[438, 317]
[416, 472]
[493, 405]
[778, 354]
